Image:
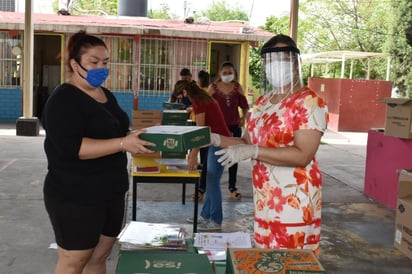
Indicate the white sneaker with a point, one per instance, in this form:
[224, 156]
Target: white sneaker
[200, 220]
[209, 225]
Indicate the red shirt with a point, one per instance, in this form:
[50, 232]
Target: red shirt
[229, 104]
[213, 117]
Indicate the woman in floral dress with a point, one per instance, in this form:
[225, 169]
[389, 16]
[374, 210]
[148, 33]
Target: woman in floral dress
[283, 134]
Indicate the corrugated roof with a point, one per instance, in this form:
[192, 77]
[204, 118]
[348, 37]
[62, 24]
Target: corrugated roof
[135, 25]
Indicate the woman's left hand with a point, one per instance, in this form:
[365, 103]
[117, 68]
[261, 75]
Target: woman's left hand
[134, 144]
[236, 153]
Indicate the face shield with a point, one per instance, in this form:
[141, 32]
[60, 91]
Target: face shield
[281, 70]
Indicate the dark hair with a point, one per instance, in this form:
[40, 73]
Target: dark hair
[178, 90]
[185, 72]
[280, 38]
[196, 94]
[79, 43]
[227, 64]
[204, 78]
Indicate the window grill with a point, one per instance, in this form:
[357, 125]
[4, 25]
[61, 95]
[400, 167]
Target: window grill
[162, 59]
[121, 63]
[8, 5]
[10, 60]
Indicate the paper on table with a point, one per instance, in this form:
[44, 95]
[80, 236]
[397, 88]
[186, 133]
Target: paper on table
[147, 234]
[210, 241]
[172, 162]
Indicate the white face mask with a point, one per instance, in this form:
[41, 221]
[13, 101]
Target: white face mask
[228, 78]
[279, 73]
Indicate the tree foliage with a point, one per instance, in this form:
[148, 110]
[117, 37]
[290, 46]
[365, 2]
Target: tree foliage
[162, 13]
[356, 25]
[98, 7]
[400, 46]
[221, 11]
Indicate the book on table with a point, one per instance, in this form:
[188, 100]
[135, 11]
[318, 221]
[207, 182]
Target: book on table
[163, 263]
[147, 169]
[142, 235]
[281, 261]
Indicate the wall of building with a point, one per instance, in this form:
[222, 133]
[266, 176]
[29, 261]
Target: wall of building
[10, 104]
[353, 104]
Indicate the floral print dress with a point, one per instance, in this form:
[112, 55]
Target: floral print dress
[287, 200]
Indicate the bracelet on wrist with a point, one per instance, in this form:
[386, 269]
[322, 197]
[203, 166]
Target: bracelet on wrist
[121, 145]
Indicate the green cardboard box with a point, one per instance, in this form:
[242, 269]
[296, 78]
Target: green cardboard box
[281, 261]
[176, 138]
[131, 262]
[172, 155]
[174, 115]
[174, 122]
[168, 105]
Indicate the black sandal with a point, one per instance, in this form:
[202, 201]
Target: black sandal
[201, 196]
[234, 194]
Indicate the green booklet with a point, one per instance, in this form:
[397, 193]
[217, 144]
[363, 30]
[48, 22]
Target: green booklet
[131, 262]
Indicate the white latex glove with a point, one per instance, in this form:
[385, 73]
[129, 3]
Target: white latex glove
[215, 139]
[234, 154]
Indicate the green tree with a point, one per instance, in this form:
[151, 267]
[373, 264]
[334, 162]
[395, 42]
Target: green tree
[400, 46]
[98, 7]
[357, 25]
[221, 11]
[275, 25]
[162, 13]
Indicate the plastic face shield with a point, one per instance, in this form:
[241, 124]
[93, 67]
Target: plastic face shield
[281, 70]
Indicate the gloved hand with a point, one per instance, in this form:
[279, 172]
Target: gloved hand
[234, 154]
[215, 139]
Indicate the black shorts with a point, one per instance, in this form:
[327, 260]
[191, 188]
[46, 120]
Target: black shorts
[78, 227]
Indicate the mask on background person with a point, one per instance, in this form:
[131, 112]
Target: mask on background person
[227, 78]
[281, 70]
[95, 77]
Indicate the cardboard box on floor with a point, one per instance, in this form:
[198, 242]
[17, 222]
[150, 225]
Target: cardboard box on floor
[398, 117]
[403, 223]
[282, 261]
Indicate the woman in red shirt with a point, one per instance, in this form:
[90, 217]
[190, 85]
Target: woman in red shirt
[208, 113]
[230, 96]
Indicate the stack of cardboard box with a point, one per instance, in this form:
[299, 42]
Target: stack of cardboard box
[399, 124]
[403, 227]
[146, 118]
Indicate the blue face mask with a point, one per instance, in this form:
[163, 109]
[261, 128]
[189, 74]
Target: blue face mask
[95, 77]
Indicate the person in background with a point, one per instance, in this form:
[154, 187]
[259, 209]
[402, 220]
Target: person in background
[179, 95]
[230, 96]
[185, 74]
[85, 144]
[282, 137]
[208, 113]
[203, 81]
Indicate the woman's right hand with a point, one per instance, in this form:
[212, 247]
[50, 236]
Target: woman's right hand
[133, 144]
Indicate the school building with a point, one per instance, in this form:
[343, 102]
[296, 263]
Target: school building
[146, 55]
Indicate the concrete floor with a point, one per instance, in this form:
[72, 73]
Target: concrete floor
[357, 233]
